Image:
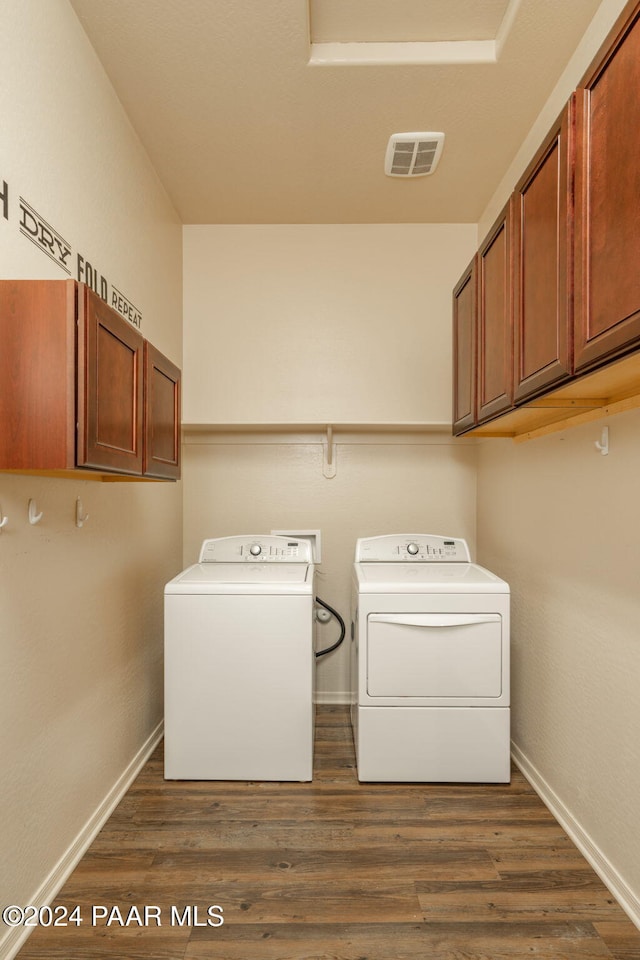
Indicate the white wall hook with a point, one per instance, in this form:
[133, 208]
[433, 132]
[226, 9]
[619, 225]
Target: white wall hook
[3, 520]
[34, 516]
[329, 455]
[603, 443]
[80, 515]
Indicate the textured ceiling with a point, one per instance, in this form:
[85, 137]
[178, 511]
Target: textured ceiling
[241, 128]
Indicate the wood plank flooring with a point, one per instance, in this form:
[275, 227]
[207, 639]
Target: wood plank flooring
[335, 870]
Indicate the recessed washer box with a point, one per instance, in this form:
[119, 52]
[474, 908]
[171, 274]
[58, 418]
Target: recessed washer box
[314, 536]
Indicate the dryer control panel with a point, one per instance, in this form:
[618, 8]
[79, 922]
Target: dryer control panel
[257, 548]
[408, 547]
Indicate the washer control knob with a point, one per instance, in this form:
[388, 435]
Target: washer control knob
[255, 549]
[412, 548]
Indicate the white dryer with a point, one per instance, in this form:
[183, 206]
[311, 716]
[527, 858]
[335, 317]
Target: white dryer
[240, 662]
[429, 663]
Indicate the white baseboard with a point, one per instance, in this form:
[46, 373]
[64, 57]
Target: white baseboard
[625, 896]
[333, 697]
[13, 940]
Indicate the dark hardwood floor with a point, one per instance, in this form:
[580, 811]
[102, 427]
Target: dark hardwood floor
[334, 869]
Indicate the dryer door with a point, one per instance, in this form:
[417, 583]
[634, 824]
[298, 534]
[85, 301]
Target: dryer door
[435, 657]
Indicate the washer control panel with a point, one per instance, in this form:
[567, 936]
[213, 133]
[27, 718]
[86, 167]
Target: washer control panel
[256, 548]
[418, 547]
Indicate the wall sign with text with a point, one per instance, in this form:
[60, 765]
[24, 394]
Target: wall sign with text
[46, 238]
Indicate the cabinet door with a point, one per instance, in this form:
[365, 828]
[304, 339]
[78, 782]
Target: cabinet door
[464, 351]
[607, 279]
[161, 416]
[495, 328]
[542, 218]
[110, 380]
[37, 374]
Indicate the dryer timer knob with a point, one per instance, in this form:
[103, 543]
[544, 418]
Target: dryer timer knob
[412, 548]
[255, 549]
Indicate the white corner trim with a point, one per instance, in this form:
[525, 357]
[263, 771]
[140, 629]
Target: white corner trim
[513, 8]
[590, 850]
[13, 940]
[406, 52]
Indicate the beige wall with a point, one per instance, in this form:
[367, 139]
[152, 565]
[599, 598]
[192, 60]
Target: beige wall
[80, 609]
[560, 522]
[316, 323]
[320, 322]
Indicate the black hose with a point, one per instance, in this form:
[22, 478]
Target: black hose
[343, 629]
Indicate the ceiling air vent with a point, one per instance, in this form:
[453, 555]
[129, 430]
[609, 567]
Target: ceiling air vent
[413, 154]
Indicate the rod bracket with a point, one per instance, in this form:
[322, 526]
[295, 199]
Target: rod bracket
[329, 466]
[603, 443]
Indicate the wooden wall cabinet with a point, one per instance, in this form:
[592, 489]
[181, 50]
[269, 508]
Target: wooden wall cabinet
[574, 238]
[542, 264]
[161, 449]
[494, 321]
[109, 387]
[465, 298]
[607, 227]
[77, 392]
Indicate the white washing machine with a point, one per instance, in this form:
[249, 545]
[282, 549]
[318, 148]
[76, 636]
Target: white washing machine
[240, 662]
[429, 663]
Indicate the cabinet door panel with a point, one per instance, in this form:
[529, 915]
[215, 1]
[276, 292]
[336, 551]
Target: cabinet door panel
[542, 269]
[37, 374]
[162, 416]
[607, 316]
[110, 377]
[495, 331]
[464, 351]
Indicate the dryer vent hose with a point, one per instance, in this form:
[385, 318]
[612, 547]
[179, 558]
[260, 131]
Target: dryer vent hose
[334, 613]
